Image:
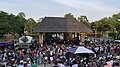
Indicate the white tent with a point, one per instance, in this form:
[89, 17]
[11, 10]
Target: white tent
[28, 37]
[80, 49]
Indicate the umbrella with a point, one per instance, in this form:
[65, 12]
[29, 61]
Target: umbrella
[80, 49]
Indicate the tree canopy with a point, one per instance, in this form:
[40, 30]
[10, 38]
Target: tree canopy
[12, 24]
[69, 15]
[108, 23]
[82, 19]
[30, 24]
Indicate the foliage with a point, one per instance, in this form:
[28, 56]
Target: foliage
[104, 25]
[69, 15]
[84, 20]
[108, 24]
[30, 24]
[21, 14]
[113, 35]
[11, 24]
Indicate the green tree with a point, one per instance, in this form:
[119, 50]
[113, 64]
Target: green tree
[21, 14]
[109, 23]
[84, 20]
[103, 25]
[21, 18]
[30, 25]
[93, 27]
[10, 23]
[69, 15]
[4, 25]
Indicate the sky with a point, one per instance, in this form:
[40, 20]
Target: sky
[93, 9]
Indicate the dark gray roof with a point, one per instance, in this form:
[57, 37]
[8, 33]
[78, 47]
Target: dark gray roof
[60, 24]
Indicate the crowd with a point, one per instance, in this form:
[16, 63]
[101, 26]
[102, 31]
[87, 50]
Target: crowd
[105, 55]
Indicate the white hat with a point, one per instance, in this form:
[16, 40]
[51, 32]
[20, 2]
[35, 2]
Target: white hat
[21, 61]
[28, 58]
[23, 50]
[13, 59]
[117, 57]
[29, 62]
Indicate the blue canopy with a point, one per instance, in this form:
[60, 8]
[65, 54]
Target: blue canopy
[3, 44]
[80, 49]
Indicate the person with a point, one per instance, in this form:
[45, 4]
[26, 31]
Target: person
[109, 63]
[105, 65]
[61, 64]
[28, 64]
[33, 65]
[75, 63]
[56, 65]
[21, 64]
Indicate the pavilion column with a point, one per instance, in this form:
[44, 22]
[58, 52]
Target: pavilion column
[82, 37]
[40, 40]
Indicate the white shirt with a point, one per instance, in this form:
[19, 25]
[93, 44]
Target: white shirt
[28, 65]
[61, 65]
[51, 58]
[20, 66]
[74, 65]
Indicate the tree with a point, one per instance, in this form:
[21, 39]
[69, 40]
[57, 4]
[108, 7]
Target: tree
[93, 27]
[21, 25]
[84, 20]
[69, 15]
[30, 25]
[3, 23]
[10, 23]
[40, 19]
[21, 14]
[21, 18]
[103, 25]
[108, 23]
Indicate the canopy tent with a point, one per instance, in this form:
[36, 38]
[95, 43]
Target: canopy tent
[29, 39]
[80, 49]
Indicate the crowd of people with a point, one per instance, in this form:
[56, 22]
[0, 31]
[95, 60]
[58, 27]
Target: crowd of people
[106, 54]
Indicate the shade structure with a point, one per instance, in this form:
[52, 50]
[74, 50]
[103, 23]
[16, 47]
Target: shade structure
[61, 24]
[79, 50]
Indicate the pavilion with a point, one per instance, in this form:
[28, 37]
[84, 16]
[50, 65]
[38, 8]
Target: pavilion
[60, 26]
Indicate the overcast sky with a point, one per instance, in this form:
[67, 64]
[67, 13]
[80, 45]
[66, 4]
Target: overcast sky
[93, 9]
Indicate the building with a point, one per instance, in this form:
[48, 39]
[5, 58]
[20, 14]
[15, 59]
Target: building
[56, 27]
